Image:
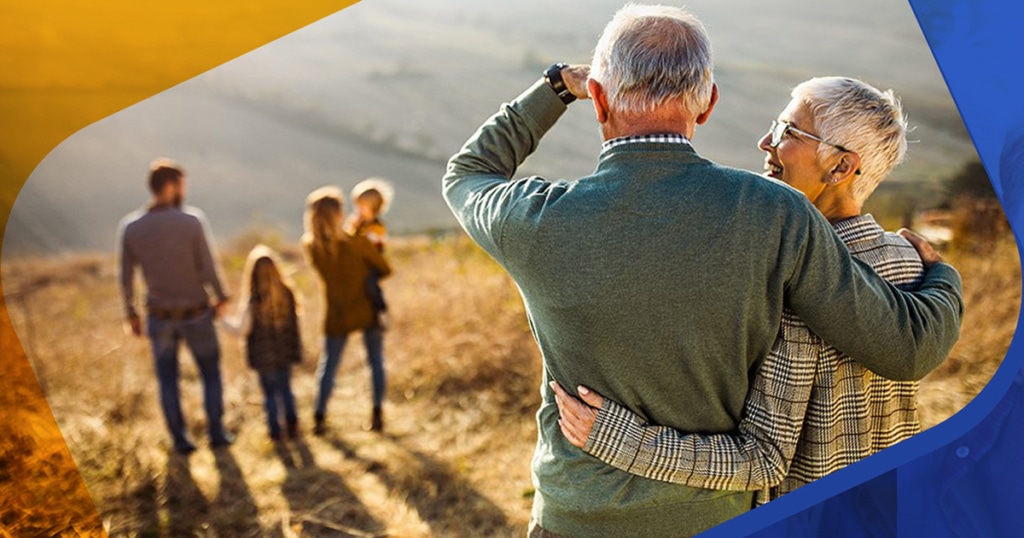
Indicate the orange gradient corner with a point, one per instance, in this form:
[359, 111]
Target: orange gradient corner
[66, 65]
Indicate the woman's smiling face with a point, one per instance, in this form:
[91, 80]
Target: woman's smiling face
[795, 159]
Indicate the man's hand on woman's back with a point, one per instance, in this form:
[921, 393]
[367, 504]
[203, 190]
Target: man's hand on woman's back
[924, 249]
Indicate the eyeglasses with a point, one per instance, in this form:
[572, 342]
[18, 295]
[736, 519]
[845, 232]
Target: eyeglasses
[779, 128]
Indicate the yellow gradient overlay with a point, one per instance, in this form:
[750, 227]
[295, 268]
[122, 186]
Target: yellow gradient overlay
[64, 65]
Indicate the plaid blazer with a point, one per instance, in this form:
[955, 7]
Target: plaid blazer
[810, 409]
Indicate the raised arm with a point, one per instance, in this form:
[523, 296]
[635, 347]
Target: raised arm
[896, 334]
[477, 183]
[755, 458]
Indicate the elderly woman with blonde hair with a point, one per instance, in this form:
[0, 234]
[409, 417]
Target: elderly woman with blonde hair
[344, 263]
[810, 409]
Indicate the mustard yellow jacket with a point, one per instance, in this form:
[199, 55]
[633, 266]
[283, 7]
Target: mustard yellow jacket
[344, 265]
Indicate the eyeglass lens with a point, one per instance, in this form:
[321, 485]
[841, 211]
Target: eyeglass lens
[778, 130]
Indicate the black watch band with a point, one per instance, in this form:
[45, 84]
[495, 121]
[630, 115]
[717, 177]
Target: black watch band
[553, 76]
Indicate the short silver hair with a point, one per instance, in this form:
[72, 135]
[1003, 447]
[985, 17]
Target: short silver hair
[860, 118]
[648, 56]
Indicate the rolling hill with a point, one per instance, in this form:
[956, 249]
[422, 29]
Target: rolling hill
[391, 88]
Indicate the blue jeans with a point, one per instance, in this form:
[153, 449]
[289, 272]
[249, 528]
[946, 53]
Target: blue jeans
[330, 359]
[376, 294]
[276, 385]
[199, 335]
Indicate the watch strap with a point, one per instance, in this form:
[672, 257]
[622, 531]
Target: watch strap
[553, 76]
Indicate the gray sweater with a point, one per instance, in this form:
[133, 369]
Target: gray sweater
[173, 249]
[659, 281]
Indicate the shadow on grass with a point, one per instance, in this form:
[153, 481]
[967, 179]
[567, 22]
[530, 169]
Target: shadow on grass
[186, 508]
[320, 501]
[144, 502]
[444, 499]
[234, 512]
[187, 512]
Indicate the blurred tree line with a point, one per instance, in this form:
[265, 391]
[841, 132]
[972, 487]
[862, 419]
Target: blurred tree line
[961, 211]
[977, 219]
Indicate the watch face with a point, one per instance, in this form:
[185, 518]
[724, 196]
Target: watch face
[555, 69]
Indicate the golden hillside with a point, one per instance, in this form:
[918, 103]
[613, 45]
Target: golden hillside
[463, 388]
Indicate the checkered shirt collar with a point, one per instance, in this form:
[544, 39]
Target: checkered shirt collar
[663, 138]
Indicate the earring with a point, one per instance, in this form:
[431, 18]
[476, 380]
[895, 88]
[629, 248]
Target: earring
[833, 180]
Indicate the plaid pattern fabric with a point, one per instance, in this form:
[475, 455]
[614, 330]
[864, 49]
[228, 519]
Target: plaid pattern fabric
[810, 409]
[666, 138]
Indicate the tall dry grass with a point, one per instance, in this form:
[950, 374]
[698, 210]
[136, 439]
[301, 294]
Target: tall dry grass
[463, 388]
[992, 295]
[464, 378]
[41, 492]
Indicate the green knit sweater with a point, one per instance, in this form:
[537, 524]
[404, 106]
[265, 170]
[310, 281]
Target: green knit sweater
[659, 281]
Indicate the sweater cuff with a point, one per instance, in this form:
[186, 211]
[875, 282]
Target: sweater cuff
[616, 436]
[540, 106]
[944, 273]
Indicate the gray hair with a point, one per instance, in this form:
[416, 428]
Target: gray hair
[648, 56]
[860, 118]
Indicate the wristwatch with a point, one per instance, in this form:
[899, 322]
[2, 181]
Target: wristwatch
[553, 76]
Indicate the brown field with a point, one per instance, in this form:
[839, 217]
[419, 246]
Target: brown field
[464, 376]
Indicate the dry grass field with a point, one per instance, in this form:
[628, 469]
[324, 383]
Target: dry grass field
[992, 295]
[41, 491]
[464, 376]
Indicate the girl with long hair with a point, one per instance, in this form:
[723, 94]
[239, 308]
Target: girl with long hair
[268, 320]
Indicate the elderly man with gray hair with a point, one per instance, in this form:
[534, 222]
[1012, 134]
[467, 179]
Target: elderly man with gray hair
[660, 279]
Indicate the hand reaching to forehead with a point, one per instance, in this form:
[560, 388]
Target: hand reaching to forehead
[575, 78]
[577, 417]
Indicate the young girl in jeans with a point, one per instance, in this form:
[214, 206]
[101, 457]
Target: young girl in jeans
[269, 322]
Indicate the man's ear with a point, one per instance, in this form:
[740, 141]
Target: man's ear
[703, 116]
[600, 100]
[847, 167]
